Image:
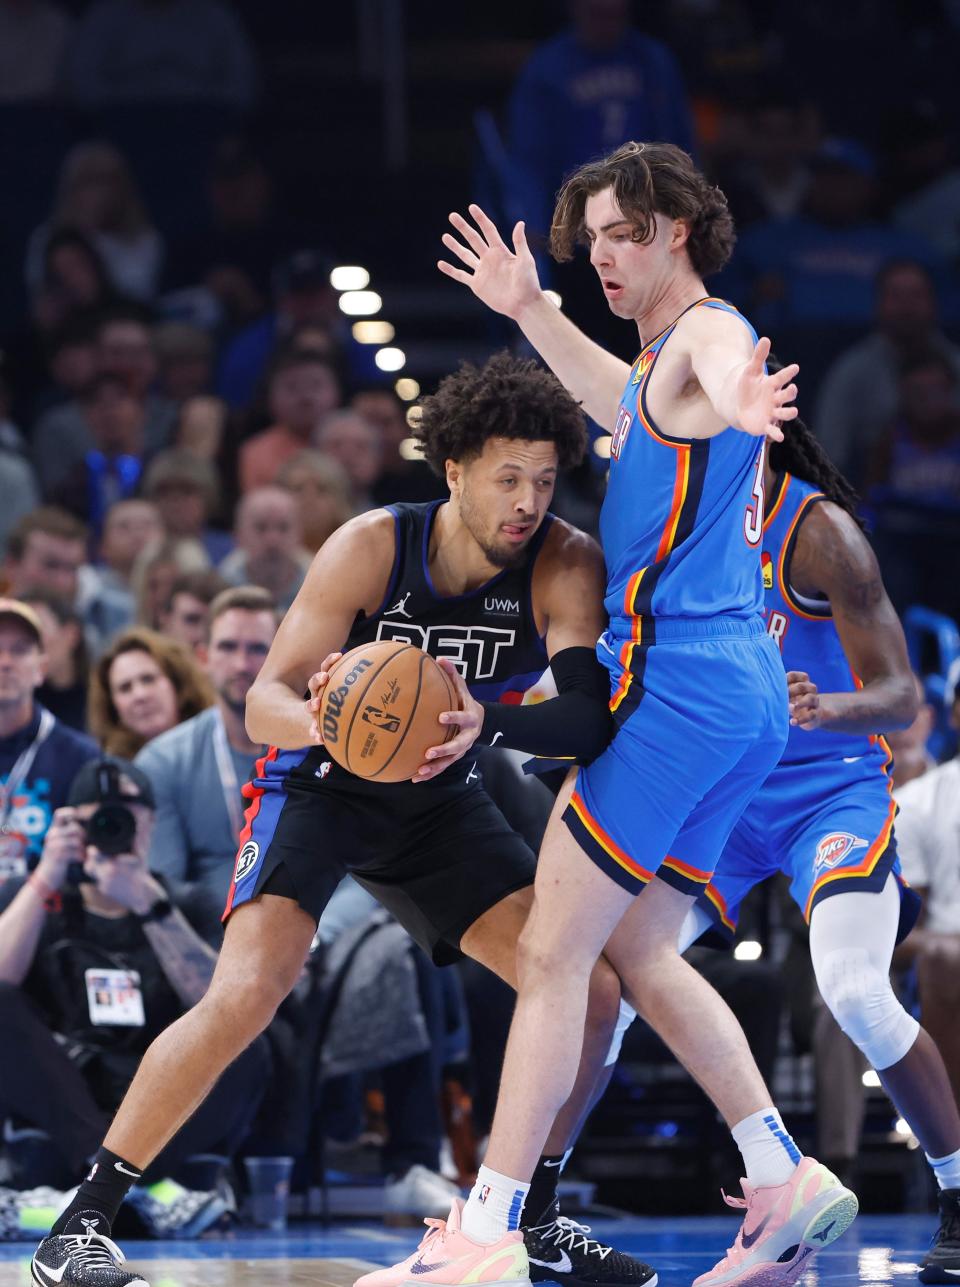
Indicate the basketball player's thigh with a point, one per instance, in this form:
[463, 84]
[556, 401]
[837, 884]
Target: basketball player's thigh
[266, 941]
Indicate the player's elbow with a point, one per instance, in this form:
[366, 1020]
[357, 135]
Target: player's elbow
[905, 707]
[253, 716]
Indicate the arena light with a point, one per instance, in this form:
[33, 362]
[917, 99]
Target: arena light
[372, 332]
[748, 950]
[407, 388]
[409, 449]
[349, 277]
[902, 1128]
[360, 303]
[390, 359]
[553, 297]
[414, 416]
[870, 1079]
[601, 446]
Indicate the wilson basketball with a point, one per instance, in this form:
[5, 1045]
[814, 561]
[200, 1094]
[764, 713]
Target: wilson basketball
[380, 710]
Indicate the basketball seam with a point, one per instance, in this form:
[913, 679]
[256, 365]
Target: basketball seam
[362, 697]
[413, 711]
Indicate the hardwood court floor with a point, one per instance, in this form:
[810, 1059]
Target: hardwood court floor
[878, 1251]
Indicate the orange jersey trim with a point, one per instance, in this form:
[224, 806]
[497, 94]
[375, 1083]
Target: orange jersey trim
[720, 903]
[777, 504]
[684, 869]
[606, 843]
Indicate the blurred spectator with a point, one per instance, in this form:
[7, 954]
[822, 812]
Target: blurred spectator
[302, 389]
[583, 93]
[46, 551]
[302, 297]
[918, 461]
[821, 265]
[198, 768]
[186, 491]
[927, 828]
[111, 470]
[201, 427]
[859, 396]
[927, 181]
[18, 485]
[64, 688]
[90, 973]
[39, 755]
[401, 478]
[124, 349]
[69, 363]
[268, 553]
[75, 280]
[33, 40]
[350, 439]
[97, 195]
[322, 490]
[155, 572]
[771, 177]
[143, 685]
[911, 759]
[185, 616]
[185, 357]
[128, 527]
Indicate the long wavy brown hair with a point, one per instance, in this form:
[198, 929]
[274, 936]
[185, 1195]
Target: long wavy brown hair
[192, 687]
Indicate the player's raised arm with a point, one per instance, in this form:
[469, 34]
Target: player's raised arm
[348, 575]
[730, 369]
[505, 279]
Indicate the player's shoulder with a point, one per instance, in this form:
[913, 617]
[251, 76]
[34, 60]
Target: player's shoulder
[711, 322]
[371, 533]
[567, 547]
[832, 529]
[831, 552]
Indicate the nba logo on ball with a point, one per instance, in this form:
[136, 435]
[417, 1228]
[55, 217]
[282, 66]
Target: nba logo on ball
[832, 849]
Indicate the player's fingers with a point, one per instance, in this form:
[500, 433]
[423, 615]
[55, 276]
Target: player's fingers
[786, 413]
[794, 676]
[457, 274]
[788, 394]
[520, 239]
[487, 227]
[786, 373]
[774, 432]
[468, 232]
[760, 353]
[465, 255]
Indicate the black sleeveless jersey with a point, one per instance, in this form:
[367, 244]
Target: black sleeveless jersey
[489, 633]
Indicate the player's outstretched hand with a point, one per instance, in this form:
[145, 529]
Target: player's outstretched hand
[316, 684]
[505, 280]
[469, 721]
[804, 698]
[762, 399]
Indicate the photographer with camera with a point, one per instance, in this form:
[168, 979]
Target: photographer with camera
[96, 959]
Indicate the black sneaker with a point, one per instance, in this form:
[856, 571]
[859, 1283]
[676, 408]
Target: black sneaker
[560, 1251]
[81, 1260]
[941, 1264]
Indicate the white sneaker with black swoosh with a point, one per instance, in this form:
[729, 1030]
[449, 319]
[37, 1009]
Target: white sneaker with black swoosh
[560, 1251]
[81, 1260]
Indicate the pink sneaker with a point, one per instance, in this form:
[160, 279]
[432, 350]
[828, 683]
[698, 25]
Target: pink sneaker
[783, 1227]
[446, 1257]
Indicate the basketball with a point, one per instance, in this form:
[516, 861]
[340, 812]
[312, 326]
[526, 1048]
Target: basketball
[380, 710]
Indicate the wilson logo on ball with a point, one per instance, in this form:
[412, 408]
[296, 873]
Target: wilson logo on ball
[832, 849]
[336, 698]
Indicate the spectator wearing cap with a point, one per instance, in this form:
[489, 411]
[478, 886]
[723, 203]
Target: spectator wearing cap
[184, 618]
[268, 553]
[302, 390]
[928, 825]
[97, 957]
[64, 688]
[186, 492]
[39, 755]
[302, 297]
[819, 267]
[199, 767]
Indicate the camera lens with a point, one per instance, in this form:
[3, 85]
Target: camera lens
[111, 829]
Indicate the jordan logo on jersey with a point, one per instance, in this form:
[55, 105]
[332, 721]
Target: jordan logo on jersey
[620, 432]
[832, 849]
[399, 609]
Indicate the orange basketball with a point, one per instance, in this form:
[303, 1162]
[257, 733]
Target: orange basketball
[380, 710]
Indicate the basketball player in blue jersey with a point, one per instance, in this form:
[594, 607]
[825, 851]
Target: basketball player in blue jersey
[493, 582]
[825, 816]
[697, 692]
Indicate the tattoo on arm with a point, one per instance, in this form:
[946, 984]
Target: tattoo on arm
[184, 957]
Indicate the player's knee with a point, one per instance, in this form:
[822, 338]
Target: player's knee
[542, 960]
[246, 1000]
[861, 999]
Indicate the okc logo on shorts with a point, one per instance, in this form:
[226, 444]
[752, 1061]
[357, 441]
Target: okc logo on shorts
[246, 860]
[833, 848]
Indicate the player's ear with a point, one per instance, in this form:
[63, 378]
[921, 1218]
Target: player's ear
[454, 472]
[680, 235]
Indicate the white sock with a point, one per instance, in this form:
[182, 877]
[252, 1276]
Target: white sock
[946, 1169]
[494, 1206]
[769, 1154]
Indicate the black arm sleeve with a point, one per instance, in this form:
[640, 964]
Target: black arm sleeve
[574, 725]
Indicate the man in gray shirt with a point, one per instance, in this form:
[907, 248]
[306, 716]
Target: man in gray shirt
[198, 768]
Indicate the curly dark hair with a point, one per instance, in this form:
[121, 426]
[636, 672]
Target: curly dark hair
[648, 179]
[507, 397]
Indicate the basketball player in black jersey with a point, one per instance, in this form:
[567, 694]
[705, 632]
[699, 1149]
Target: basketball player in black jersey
[492, 581]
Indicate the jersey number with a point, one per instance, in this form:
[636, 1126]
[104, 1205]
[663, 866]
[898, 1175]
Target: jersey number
[753, 516]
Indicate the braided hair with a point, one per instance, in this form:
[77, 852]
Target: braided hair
[801, 454]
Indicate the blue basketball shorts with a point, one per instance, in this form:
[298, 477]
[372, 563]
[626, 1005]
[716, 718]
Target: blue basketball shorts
[828, 825]
[701, 714]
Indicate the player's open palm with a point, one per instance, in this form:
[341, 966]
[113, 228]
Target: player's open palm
[763, 398]
[505, 280]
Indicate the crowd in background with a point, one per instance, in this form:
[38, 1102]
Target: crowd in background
[186, 416]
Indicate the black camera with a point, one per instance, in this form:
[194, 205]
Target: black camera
[111, 829]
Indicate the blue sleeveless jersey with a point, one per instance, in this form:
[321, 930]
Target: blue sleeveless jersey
[682, 517]
[804, 631]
